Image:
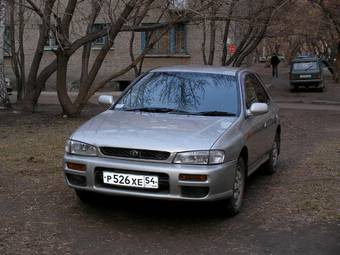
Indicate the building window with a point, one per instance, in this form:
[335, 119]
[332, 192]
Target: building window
[102, 40]
[7, 42]
[51, 42]
[174, 41]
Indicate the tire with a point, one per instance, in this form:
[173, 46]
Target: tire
[293, 88]
[234, 203]
[85, 196]
[321, 87]
[270, 166]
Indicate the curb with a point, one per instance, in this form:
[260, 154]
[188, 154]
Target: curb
[315, 102]
[290, 101]
[325, 102]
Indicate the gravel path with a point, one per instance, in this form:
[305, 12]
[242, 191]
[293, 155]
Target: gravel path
[295, 211]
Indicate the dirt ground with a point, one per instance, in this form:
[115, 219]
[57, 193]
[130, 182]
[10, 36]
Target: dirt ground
[295, 211]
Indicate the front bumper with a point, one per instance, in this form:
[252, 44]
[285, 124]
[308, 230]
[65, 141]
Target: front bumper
[218, 185]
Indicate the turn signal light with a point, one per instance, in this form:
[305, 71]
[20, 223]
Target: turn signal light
[76, 166]
[193, 177]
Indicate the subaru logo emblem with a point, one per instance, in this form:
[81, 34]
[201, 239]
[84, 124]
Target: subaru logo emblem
[134, 153]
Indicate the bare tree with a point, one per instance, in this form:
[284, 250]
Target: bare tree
[212, 43]
[35, 80]
[259, 19]
[123, 17]
[17, 46]
[4, 99]
[226, 32]
[251, 18]
[331, 11]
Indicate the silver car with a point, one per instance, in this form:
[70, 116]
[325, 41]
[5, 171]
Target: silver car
[178, 133]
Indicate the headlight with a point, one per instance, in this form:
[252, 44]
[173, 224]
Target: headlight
[200, 157]
[79, 148]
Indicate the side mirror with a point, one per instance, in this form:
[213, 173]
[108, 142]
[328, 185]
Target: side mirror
[106, 99]
[258, 109]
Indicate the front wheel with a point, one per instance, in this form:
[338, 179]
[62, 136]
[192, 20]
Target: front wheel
[234, 203]
[271, 165]
[321, 87]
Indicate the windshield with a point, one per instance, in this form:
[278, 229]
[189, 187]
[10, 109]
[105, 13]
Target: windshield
[305, 66]
[183, 93]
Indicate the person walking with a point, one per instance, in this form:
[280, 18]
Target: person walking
[275, 61]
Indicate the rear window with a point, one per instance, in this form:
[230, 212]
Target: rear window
[305, 66]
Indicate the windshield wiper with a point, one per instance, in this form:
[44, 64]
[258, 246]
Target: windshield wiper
[155, 109]
[176, 111]
[215, 113]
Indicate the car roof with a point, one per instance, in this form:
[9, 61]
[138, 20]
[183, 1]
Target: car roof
[199, 69]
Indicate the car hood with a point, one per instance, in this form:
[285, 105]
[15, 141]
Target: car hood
[153, 131]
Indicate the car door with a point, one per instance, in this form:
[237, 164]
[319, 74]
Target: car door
[270, 118]
[257, 141]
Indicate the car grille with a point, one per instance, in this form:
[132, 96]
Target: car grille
[163, 180]
[135, 153]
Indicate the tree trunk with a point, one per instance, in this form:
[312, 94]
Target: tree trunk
[337, 65]
[257, 38]
[226, 34]
[4, 99]
[21, 52]
[225, 43]
[30, 86]
[204, 55]
[212, 38]
[18, 57]
[243, 44]
[65, 102]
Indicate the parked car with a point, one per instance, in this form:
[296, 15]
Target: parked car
[262, 59]
[306, 72]
[282, 57]
[178, 133]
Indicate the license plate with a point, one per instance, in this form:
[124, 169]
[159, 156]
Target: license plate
[305, 76]
[131, 180]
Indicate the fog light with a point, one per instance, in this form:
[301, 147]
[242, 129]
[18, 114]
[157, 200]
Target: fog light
[193, 177]
[76, 166]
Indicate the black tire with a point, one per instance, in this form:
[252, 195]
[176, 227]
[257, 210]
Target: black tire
[85, 196]
[294, 88]
[234, 203]
[270, 166]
